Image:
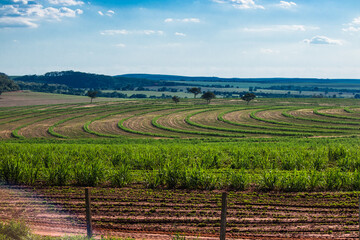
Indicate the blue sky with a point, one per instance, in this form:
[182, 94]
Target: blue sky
[225, 38]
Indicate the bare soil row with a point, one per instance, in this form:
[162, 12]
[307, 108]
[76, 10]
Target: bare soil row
[197, 213]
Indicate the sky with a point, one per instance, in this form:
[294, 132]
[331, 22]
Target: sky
[223, 38]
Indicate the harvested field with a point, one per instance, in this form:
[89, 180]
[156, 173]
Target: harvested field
[165, 120]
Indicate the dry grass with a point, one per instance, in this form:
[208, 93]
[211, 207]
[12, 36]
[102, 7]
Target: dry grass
[27, 98]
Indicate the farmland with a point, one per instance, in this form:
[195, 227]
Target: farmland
[291, 166]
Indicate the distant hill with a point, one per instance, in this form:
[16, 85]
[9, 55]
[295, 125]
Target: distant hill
[86, 80]
[159, 77]
[6, 84]
[81, 80]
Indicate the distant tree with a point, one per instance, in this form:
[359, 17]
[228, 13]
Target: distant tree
[248, 97]
[208, 96]
[357, 96]
[6, 84]
[176, 99]
[92, 94]
[139, 95]
[195, 91]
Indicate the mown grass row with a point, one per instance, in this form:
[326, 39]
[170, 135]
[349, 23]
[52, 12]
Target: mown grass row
[122, 127]
[286, 114]
[305, 129]
[192, 132]
[86, 125]
[331, 129]
[19, 112]
[348, 110]
[58, 112]
[316, 111]
[36, 110]
[188, 121]
[47, 112]
[15, 132]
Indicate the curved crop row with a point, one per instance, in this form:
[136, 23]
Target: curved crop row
[348, 110]
[58, 112]
[286, 114]
[221, 118]
[316, 111]
[87, 124]
[15, 132]
[122, 127]
[156, 124]
[52, 132]
[187, 120]
[53, 110]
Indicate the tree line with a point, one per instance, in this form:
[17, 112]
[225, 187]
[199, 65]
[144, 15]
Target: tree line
[6, 84]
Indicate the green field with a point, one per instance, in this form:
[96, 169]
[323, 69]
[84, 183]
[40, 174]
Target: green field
[291, 167]
[270, 144]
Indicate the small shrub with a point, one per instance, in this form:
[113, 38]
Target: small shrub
[355, 181]
[333, 179]
[296, 181]
[269, 180]
[336, 153]
[238, 180]
[89, 173]
[153, 179]
[11, 170]
[315, 179]
[59, 173]
[14, 231]
[122, 176]
[198, 178]
[174, 174]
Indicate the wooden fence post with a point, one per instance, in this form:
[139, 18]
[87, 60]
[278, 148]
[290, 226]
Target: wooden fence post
[223, 216]
[88, 213]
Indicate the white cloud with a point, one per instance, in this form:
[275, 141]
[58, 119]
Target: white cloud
[280, 28]
[127, 32]
[120, 45]
[323, 40]
[21, 1]
[180, 34]
[241, 4]
[10, 22]
[184, 20]
[66, 2]
[268, 51]
[55, 13]
[110, 13]
[284, 4]
[150, 32]
[115, 32]
[29, 14]
[351, 29]
[354, 26]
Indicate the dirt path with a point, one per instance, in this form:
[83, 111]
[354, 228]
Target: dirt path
[40, 215]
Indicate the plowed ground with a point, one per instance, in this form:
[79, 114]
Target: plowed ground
[141, 212]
